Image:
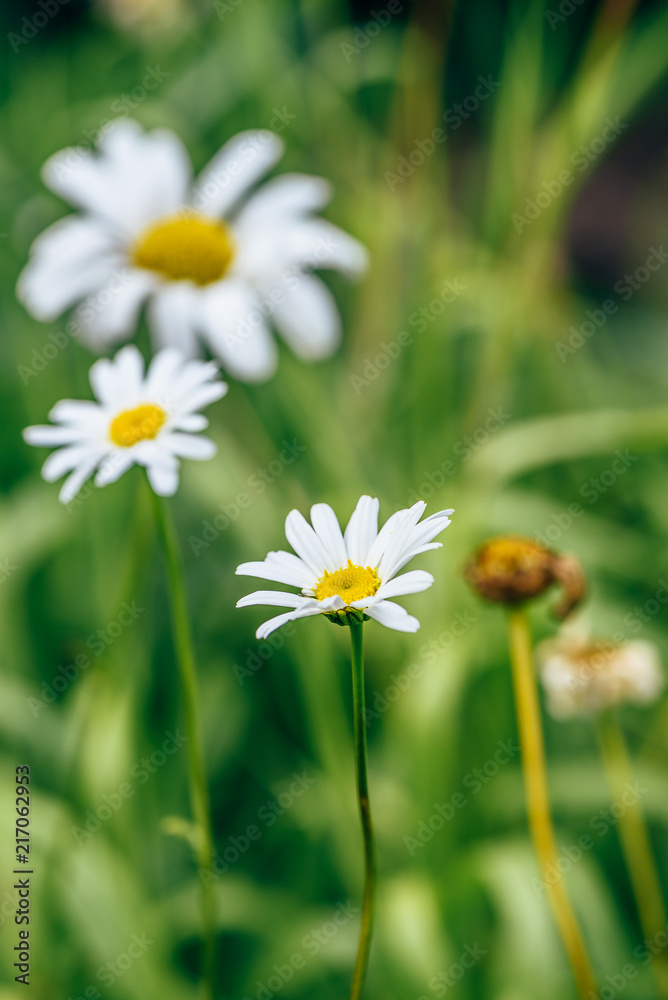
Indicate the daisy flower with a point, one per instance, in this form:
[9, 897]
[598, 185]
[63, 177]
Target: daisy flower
[138, 418]
[582, 676]
[213, 260]
[354, 573]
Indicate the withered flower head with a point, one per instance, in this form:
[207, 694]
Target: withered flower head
[511, 570]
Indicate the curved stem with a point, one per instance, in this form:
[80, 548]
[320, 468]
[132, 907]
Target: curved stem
[538, 805]
[199, 795]
[365, 811]
[635, 842]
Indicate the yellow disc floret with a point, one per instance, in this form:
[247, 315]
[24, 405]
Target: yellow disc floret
[186, 248]
[351, 583]
[140, 424]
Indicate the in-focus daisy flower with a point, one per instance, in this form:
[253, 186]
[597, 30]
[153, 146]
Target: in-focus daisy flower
[148, 419]
[348, 576]
[582, 676]
[511, 570]
[212, 259]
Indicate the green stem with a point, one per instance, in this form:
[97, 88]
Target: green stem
[199, 795]
[365, 811]
[635, 842]
[537, 800]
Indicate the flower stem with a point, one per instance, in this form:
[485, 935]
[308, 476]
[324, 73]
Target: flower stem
[199, 795]
[365, 811]
[635, 842]
[538, 805]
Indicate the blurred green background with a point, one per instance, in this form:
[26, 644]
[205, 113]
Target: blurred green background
[479, 370]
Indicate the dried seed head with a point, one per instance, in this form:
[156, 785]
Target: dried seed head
[511, 570]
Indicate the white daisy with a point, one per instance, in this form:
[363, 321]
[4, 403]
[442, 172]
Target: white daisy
[583, 676]
[356, 570]
[139, 419]
[210, 260]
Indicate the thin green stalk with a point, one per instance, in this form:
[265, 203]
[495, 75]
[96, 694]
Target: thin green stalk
[365, 811]
[538, 804]
[635, 842]
[199, 794]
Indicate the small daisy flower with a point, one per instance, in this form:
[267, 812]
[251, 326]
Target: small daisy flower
[139, 419]
[212, 260]
[582, 676]
[347, 576]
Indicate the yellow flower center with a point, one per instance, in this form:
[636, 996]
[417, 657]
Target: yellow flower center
[186, 248]
[140, 424]
[351, 583]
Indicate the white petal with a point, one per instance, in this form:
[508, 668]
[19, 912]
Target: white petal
[47, 289]
[287, 195]
[171, 317]
[362, 530]
[384, 537]
[75, 481]
[308, 318]
[164, 479]
[78, 412]
[50, 437]
[315, 243]
[163, 371]
[239, 164]
[280, 567]
[111, 313]
[327, 528]
[64, 460]
[135, 179]
[274, 598]
[68, 260]
[270, 626]
[114, 465]
[189, 446]
[237, 331]
[393, 616]
[190, 422]
[119, 383]
[408, 583]
[307, 545]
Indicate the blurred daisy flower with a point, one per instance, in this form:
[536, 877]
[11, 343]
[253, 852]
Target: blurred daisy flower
[212, 259]
[582, 676]
[349, 576]
[139, 419]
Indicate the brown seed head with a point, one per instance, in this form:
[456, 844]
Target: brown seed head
[511, 570]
